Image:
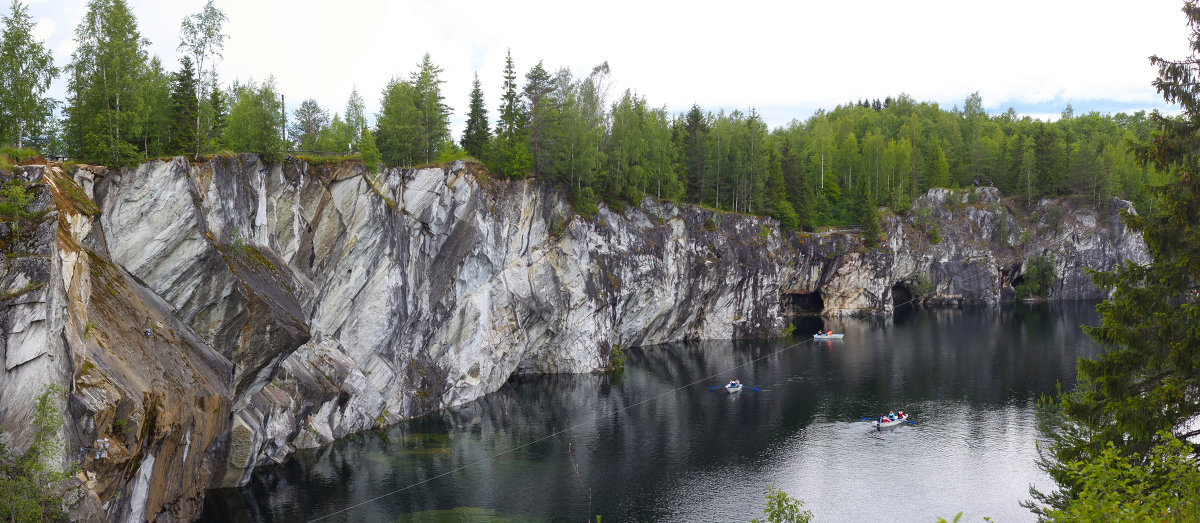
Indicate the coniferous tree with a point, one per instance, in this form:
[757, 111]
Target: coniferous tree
[219, 113]
[1140, 394]
[370, 153]
[433, 124]
[26, 70]
[183, 110]
[507, 152]
[477, 133]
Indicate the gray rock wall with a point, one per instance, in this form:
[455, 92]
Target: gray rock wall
[212, 317]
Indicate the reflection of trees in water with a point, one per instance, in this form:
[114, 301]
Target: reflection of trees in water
[632, 435]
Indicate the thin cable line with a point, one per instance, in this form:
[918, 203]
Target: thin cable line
[579, 425]
[555, 433]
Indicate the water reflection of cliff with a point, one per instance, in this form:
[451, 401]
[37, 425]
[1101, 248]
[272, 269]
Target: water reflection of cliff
[570, 446]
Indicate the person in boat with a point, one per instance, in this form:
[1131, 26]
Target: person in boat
[829, 333]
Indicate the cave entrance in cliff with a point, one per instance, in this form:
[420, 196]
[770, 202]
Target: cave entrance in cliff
[902, 296]
[807, 302]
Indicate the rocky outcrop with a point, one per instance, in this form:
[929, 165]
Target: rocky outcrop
[962, 248]
[210, 317]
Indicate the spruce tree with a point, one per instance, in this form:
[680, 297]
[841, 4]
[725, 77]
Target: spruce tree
[477, 133]
[183, 110]
[1143, 391]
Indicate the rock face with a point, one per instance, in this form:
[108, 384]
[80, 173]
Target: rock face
[211, 317]
[963, 248]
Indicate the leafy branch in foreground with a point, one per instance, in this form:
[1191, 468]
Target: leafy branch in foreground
[31, 487]
[781, 508]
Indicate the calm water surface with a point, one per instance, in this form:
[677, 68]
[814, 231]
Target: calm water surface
[654, 444]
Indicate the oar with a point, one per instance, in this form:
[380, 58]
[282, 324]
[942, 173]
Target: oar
[749, 387]
[913, 422]
[868, 419]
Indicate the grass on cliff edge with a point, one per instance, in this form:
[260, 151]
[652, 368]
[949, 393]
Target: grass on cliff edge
[12, 156]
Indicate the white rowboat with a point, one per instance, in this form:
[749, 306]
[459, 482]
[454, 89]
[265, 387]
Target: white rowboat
[828, 336]
[881, 424]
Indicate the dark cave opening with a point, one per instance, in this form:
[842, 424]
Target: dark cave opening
[902, 296]
[806, 302]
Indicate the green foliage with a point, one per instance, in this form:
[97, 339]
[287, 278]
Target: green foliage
[10, 156]
[14, 199]
[184, 110]
[201, 36]
[1164, 485]
[781, 508]
[1038, 278]
[477, 133]
[307, 122]
[370, 153]
[413, 122]
[616, 359]
[256, 120]
[31, 487]
[106, 112]
[26, 70]
[1140, 392]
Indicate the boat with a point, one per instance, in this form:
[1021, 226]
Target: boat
[733, 386]
[830, 336]
[884, 422]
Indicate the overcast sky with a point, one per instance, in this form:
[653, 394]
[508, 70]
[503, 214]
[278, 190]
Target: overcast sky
[786, 59]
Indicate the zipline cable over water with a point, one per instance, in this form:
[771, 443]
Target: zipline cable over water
[557, 432]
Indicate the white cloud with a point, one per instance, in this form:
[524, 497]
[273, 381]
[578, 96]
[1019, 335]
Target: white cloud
[775, 56]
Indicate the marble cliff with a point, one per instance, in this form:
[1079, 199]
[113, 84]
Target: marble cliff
[213, 316]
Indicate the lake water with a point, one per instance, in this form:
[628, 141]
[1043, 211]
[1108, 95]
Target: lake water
[654, 444]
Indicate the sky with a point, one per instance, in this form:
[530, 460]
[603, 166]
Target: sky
[784, 59]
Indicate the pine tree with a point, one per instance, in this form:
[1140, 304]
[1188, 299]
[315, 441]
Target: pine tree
[477, 133]
[26, 70]
[1141, 392]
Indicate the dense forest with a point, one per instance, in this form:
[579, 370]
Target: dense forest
[836, 167]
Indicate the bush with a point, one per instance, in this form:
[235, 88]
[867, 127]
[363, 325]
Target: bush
[1038, 278]
[781, 508]
[1165, 486]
